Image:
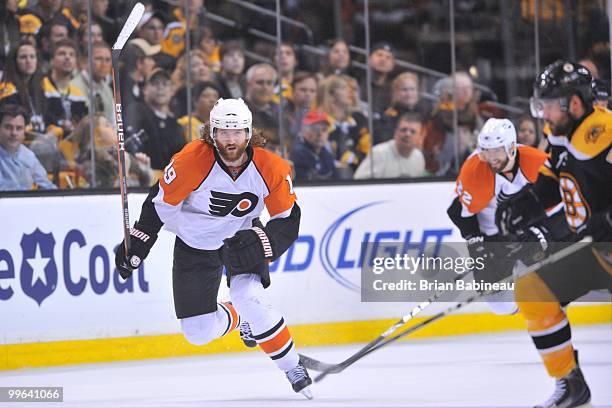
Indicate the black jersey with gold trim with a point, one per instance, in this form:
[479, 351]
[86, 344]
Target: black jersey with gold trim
[580, 168]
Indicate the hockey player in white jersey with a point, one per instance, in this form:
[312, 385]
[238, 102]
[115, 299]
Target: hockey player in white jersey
[211, 195]
[499, 169]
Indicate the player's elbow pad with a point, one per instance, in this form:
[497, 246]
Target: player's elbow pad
[468, 226]
[149, 219]
[284, 231]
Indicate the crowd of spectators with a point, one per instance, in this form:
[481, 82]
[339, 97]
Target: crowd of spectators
[318, 119]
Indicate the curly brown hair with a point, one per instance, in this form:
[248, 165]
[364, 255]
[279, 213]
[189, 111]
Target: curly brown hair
[257, 140]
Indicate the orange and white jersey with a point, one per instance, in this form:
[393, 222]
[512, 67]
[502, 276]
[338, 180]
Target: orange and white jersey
[203, 204]
[479, 188]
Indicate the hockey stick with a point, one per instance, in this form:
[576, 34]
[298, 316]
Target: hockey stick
[127, 30]
[336, 368]
[313, 364]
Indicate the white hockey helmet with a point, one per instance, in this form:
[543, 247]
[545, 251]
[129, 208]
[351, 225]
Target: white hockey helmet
[498, 133]
[231, 114]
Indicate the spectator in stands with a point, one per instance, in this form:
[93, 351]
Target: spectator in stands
[19, 167]
[83, 37]
[349, 137]
[205, 41]
[311, 159]
[466, 97]
[440, 144]
[103, 94]
[204, 95]
[173, 42]
[287, 64]
[337, 59]
[382, 64]
[76, 11]
[44, 12]
[304, 97]
[99, 10]
[199, 72]
[65, 103]
[9, 27]
[526, 131]
[140, 173]
[357, 104]
[151, 29]
[260, 80]
[23, 84]
[404, 98]
[50, 34]
[231, 78]
[151, 127]
[139, 63]
[399, 157]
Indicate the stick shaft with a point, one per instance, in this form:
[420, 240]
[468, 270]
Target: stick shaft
[119, 127]
[126, 31]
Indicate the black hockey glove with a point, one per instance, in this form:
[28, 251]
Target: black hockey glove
[599, 227]
[141, 243]
[247, 249]
[534, 245]
[495, 262]
[519, 211]
[477, 247]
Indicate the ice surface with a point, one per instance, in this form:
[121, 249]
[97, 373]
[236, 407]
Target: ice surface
[501, 370]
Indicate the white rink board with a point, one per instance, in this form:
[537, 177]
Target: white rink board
[58, 282]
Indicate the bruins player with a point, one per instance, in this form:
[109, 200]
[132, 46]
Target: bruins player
[498, 169]
[211, 195]
[580, 168]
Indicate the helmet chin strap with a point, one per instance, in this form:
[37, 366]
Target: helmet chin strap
[214, 139]
[509, 165]
[511, 160]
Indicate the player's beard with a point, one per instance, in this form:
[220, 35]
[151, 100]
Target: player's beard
[561, 128]
[497, 168]
[500, 165]
[231, 152]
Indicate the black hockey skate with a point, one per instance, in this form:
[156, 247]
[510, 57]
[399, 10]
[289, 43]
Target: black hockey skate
[571, 391]
[247, 335]
[300, 380]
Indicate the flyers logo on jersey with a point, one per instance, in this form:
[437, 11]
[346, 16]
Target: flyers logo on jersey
[238, 205]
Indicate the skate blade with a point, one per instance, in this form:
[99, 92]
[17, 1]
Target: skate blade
[587, 405]
[307, 392]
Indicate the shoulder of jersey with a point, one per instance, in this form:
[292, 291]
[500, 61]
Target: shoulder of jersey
[183, 120]
[7, 89]
[478, 180]
[48, 87]
[197, 157]
[530, 161]
[594, 135]
[186, 171]
[271, 166]
[474, 167]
